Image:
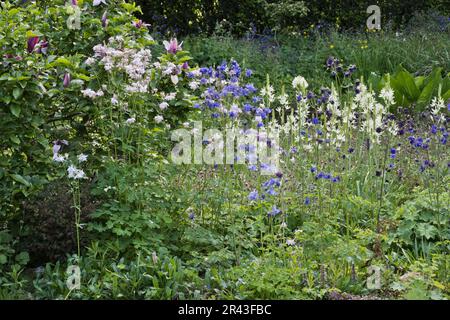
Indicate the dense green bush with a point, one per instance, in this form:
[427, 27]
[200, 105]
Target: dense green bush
[194, 16]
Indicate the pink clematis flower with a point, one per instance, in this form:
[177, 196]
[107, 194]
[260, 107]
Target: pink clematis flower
[172, 46]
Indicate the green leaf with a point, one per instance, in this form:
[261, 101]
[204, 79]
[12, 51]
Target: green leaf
[446, 95]
[15, 139]
[15, 110]
[419, 81]
[426, 230]
[20, 179]
[430, 88]
[406, 91]
[3, 259]
[23, 258]
[17, 93]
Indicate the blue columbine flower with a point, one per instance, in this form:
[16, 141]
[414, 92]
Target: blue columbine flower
[274, 211]
[393, 153]
[271, 192]
[253, 195]
[434, 129]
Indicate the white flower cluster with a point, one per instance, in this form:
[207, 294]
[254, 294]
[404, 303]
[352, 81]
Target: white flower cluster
[299, 83]
[135, 63]
[89, 93]
[74, 173]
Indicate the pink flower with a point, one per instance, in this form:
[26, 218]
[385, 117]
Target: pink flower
[75, 2]
[67, 79]
[172, 46]
[139, 24]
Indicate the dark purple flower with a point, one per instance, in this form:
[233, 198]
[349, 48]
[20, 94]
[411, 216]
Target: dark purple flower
[32, 42]
[104, 19]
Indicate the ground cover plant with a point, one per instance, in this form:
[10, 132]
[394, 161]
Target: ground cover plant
[311, 165]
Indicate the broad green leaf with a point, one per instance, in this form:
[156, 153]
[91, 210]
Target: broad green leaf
[15, 139]
[17, 92]
[426, 230]
[430, 89]
[406, 91]
[15, 110]
[419, 81]
[446, 95]
[20, 179]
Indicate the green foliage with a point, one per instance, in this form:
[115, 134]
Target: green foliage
[422, 225]
[417, 91]
[194, 16]
[105, 275]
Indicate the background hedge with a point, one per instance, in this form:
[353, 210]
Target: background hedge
[202, 16]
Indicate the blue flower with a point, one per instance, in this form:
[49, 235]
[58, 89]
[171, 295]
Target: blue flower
[274, 211]
[313, 169]
[271, 192]
[393, 153]
[315, 120]
[248, 73]
[253, 195]
[433, 129]
[336, 179]
[307, 201]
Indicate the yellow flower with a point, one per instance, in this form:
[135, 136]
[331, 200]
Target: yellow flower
[331, 46]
